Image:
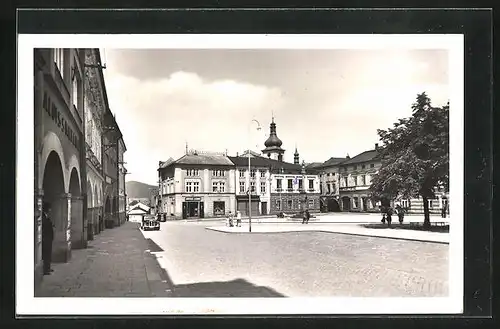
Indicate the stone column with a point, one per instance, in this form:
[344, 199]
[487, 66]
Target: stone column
[61, 246]
[78, 240]
[90, 224]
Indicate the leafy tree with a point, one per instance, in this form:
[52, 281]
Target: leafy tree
[415, 155]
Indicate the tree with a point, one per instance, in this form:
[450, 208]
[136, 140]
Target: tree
[415, 155]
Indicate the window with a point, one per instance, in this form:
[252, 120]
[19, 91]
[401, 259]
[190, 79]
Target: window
[242, 173]
[328, 188]
[76, 80]
[222, 187]
[290, 204]
[252, 187]
[219, 208]
[252, 173]
[346, 181]
[189, 186]
[363, 167]
[311, 184]
[300, 184]
[355, 201]
[59, 60]
[262, 187]
[354, 180]
[290, 183]
[242, 187]
[405, 203]
[192, 172]
[311, 203]
[215, 186]
[196, 186]
[430, 203]
[372, 165]
[278, 204]
[262, 174]
[218, 173]
[278, 183]
[363, 180]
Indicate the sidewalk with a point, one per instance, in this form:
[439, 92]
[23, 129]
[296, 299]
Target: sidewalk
[351, 229]
[117, 263]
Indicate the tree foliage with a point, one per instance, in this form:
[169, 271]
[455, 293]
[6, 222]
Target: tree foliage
[415, 155]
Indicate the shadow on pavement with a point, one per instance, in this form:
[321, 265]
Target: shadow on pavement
[153, 247]
[235, 288]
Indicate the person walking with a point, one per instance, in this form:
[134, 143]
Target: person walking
[389, 216]
[401, 213]
[238, 218]
[308, 215]
[47, 237]
[443, 210]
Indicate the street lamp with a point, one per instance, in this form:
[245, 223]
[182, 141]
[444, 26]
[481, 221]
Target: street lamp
[303, 190]
[249, 181]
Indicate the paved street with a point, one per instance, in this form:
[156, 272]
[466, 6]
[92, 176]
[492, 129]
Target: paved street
[114, 265]
[206, 263]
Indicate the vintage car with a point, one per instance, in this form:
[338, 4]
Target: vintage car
[150, 223]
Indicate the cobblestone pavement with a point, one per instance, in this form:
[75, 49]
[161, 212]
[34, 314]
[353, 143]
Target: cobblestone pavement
[202, 263]
[353, 229]
[115, 264]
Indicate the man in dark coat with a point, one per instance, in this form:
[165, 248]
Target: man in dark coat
[47, 237]
[308, 215]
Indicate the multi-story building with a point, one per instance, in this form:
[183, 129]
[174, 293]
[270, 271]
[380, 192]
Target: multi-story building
[122, 172]
[355, 176]
[111, 141]
[95, 107]
[59, 150]
[345, 186]
[197, 185]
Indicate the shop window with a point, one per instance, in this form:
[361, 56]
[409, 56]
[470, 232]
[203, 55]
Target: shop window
[290, 204]
[278, 204]
[219, 208]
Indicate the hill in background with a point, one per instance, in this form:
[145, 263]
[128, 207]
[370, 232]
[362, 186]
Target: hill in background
[138, 190]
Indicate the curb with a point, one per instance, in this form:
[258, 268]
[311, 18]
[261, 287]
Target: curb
[345, 233]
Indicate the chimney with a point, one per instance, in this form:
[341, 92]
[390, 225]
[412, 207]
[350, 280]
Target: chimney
[236, 154]
[347, 156]
[376, 146]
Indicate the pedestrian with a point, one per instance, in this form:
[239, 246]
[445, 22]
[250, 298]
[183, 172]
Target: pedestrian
[47, 237]
[401, 213]
[308, 215]
[389, 216]
[238, 218]
[229, 220]
[382, 210]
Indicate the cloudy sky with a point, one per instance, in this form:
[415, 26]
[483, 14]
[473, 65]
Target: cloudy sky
[327, 102]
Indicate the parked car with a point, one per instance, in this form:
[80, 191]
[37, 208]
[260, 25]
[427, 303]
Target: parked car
[150, 224]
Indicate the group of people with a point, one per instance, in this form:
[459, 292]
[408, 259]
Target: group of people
[230, 219]
[387, 213]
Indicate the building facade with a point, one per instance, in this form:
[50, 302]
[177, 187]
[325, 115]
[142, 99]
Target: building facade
[59, 150]
[197, 185]
[95, 107]
[122, 191]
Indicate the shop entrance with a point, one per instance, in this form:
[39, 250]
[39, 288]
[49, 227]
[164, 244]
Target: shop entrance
[346, 203]
[192, 209]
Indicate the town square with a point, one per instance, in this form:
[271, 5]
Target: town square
[238, 173]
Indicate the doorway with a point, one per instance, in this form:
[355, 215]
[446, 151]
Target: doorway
[192, 209]
[346, 203]
[263, 208]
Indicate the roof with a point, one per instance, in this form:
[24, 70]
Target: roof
[200, 159]
[138, 208]
[274, 165]
[314, 164]
[362, 157]
[164, 164]
[333, 161]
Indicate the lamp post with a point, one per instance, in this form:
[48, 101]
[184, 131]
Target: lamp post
[249, 182]
[303, 190]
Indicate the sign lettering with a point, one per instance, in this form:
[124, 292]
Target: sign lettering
[59, 120]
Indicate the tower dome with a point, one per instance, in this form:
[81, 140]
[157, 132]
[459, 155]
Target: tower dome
[273, 139]
[273, 144]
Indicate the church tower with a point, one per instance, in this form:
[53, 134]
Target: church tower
[296, 159]
[273, 144]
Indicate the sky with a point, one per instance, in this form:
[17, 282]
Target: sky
[326, 102]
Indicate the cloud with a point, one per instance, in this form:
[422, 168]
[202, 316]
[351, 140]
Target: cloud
[159, 116]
